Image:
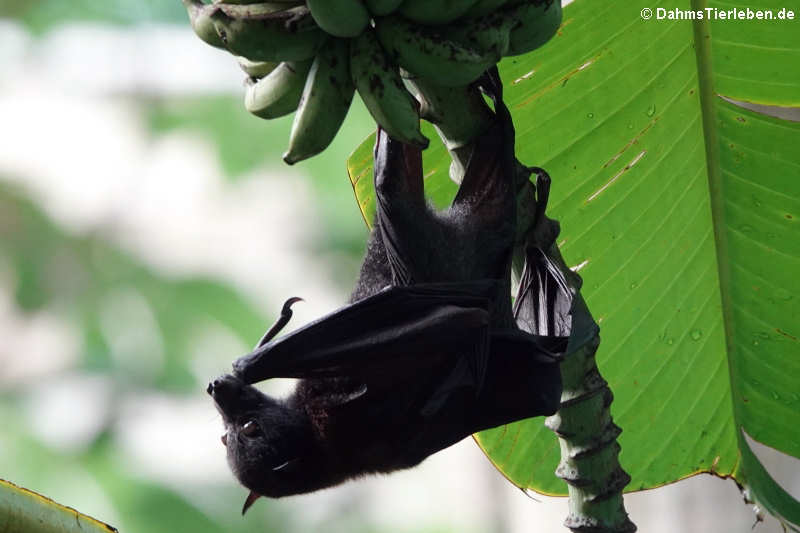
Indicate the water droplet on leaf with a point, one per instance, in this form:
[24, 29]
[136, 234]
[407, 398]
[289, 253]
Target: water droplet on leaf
[783, 294]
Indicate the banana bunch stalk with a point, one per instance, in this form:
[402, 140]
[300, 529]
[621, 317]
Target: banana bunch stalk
[406, 59]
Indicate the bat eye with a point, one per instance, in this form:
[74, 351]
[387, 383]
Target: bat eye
[250, 429]
[224, 439]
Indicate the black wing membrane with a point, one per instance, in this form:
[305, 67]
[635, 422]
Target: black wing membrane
[399, 330]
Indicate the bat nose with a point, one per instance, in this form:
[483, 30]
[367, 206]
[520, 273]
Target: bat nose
[215, 386]
[224, 388]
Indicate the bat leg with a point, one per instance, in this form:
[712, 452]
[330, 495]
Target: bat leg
[398, 170]
[488, 188]
[542, 192]
[406, 225]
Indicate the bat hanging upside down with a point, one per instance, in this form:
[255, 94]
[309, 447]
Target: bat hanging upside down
[427, 352]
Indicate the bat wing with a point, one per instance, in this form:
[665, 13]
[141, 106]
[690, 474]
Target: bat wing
[399, 332]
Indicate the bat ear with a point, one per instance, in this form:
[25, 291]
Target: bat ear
[251, 498]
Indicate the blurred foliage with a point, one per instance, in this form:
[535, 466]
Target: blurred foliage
[41, 15]
[142, 505]
[81, 273]
[100, 290]
[245, 142]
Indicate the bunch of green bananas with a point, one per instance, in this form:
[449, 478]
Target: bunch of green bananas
[310, 56]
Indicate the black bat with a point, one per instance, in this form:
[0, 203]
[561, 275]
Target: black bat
[427, 352]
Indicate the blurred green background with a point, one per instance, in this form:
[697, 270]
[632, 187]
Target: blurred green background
[148, 234]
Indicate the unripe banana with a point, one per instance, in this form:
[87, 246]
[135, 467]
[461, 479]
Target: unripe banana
[203, 26]
[286, 3]
[256, 69]
[380, 8]
[484, 7]
[434, 12]
[278, 93]
[287, 35]
[326, 98]
[537, 22]
[381, 88]
[341, 18]
[428, 53]
[489, 34]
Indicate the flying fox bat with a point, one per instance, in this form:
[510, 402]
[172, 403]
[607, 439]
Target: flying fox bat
[427, 351]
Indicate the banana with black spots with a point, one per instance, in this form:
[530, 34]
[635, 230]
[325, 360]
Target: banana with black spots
[427, 52]
[484, 7]
[381, 88]
[434, 12]
[489, 35]
[278, 93]
[327, 95]
[537, 22]
[287, 3]
[263, 35]
[340, 18]
[381, 8]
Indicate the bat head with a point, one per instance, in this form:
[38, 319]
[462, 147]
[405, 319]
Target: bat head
[267, 441]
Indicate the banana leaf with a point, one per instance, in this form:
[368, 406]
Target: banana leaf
[24, 510]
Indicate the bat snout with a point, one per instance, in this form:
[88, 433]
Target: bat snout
[224, 388]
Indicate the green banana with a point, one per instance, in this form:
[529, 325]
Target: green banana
[203, 26]
[287, 3]
[537, 22]
[488, 34]
[428, 53]
[341, 18]
[286, 35]
[484, 7]
[326, 98]
[380, 8]
[381, 88]
[278, 93]
[433, 12]
[256, 69]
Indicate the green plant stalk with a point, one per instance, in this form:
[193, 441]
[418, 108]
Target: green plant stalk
[586, 432]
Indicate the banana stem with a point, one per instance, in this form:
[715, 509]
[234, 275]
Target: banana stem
[586, 432]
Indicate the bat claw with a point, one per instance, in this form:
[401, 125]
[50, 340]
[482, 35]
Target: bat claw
[542, 192]
[286, 315]
[287, 305]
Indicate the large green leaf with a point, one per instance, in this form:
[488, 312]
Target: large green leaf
[681, 209]
[24, 510]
